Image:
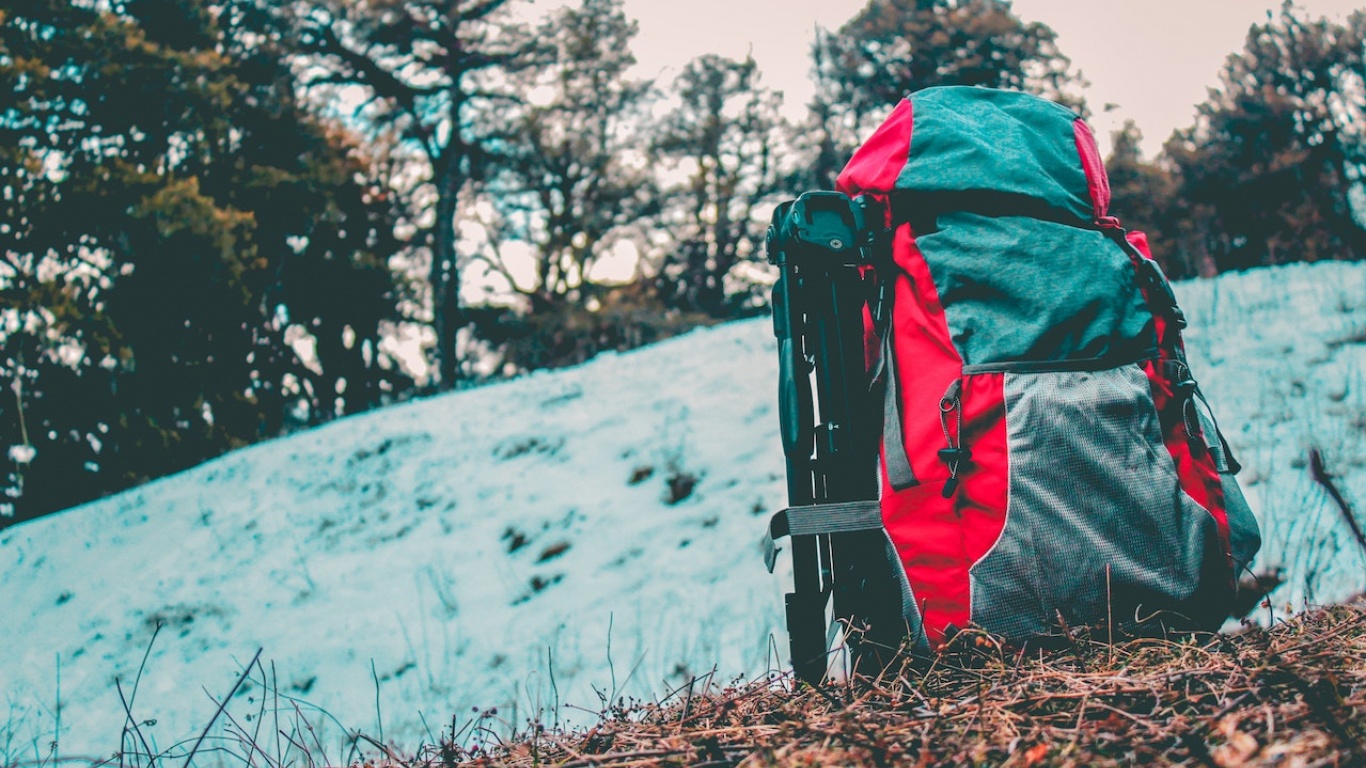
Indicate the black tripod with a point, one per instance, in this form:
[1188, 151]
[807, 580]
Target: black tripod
[824, 244]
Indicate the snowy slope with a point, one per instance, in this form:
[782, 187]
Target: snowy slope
[515, 545]
[1281, 353]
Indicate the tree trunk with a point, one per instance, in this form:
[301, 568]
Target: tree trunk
[447, 317]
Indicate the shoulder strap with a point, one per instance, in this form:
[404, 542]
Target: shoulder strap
[884, 374]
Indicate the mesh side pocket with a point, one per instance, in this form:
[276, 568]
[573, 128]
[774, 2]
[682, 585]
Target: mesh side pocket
[1097, 522]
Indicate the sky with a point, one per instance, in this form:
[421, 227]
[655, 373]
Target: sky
[1155, 70]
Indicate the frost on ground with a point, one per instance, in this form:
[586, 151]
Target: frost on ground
[540, 544]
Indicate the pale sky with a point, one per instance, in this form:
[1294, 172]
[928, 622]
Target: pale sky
[1154, 58]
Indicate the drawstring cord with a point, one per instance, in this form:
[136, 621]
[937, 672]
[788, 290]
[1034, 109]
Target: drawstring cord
[955, 455]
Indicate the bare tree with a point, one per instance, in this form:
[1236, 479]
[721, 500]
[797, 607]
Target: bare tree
[435, 72]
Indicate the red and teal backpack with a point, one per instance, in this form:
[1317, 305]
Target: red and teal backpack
[1040, 453]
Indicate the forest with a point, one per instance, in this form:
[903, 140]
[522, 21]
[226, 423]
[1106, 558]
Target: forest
[225, 221]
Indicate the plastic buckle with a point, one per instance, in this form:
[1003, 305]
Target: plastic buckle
[1165, 300]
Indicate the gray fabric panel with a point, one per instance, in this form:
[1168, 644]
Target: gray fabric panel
[1091, 485]
[1017, 289]
[910, 610]
[899, 472]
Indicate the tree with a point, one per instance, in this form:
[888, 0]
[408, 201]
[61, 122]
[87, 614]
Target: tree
[575, 183]
[1276, 151]
[726, 138]
[894, 47]
[189, 264]
[436, 72]
[1142, 195]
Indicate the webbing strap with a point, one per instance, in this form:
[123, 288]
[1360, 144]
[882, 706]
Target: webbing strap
[1219, 448]
[817, 519]
[1162, 299]
[899, 472]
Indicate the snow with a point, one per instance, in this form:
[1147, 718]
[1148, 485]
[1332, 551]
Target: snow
[514, 546]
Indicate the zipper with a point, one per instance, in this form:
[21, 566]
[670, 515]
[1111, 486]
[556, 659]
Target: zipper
[1102, 363]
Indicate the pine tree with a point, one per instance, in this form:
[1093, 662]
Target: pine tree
[436, 72]
[726, 137]
[573, 187]
[1143, 196]
[171, 214]
[576, 182]
[1270, 165]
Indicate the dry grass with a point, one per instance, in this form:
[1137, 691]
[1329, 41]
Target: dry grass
[1291, 695]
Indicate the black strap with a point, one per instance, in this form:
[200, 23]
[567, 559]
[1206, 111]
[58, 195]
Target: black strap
[1157, 288]
[1222, 452]
[818, 519]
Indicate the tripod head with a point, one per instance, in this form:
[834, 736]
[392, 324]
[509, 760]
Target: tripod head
[826, 226]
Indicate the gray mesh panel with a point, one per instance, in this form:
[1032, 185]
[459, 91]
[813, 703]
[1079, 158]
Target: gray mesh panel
[1091, 485]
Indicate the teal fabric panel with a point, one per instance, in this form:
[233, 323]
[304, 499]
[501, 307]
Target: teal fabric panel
[1018, 289]
[970, 139]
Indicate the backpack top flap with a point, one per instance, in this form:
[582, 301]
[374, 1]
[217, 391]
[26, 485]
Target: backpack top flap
[983, 148]
[1006, 196]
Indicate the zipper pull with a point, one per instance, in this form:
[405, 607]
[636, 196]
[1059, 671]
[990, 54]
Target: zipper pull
[955, 455]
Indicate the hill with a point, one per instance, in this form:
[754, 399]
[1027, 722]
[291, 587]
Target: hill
[547, 543]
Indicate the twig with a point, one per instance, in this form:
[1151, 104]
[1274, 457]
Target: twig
[622, 756]
[1320, 475]
[128, 715]
[260, 718]
[379, 716]
[146, 654]
[209, 725]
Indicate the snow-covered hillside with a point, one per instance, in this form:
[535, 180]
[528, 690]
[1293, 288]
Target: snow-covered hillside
[537, 543]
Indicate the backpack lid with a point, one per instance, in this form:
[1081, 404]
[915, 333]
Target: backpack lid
[968, 143]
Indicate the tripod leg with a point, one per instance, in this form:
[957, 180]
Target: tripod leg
[806, 622]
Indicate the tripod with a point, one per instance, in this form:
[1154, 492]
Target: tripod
[828, 249]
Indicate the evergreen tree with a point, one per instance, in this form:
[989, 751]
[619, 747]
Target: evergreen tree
[574, 187]
[1270, 165]
[189, 264]
[576, 182]
[1143, 196]
[894, 47]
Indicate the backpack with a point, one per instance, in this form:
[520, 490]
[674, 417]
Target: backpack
[1010, 436]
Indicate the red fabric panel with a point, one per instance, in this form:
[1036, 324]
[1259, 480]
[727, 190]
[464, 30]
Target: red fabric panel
[980, 503]
[940, 539]
[1199, 477]
[1097, 182]
[926, 360]
[1139, 240]
[876, 164]
[873, 171]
